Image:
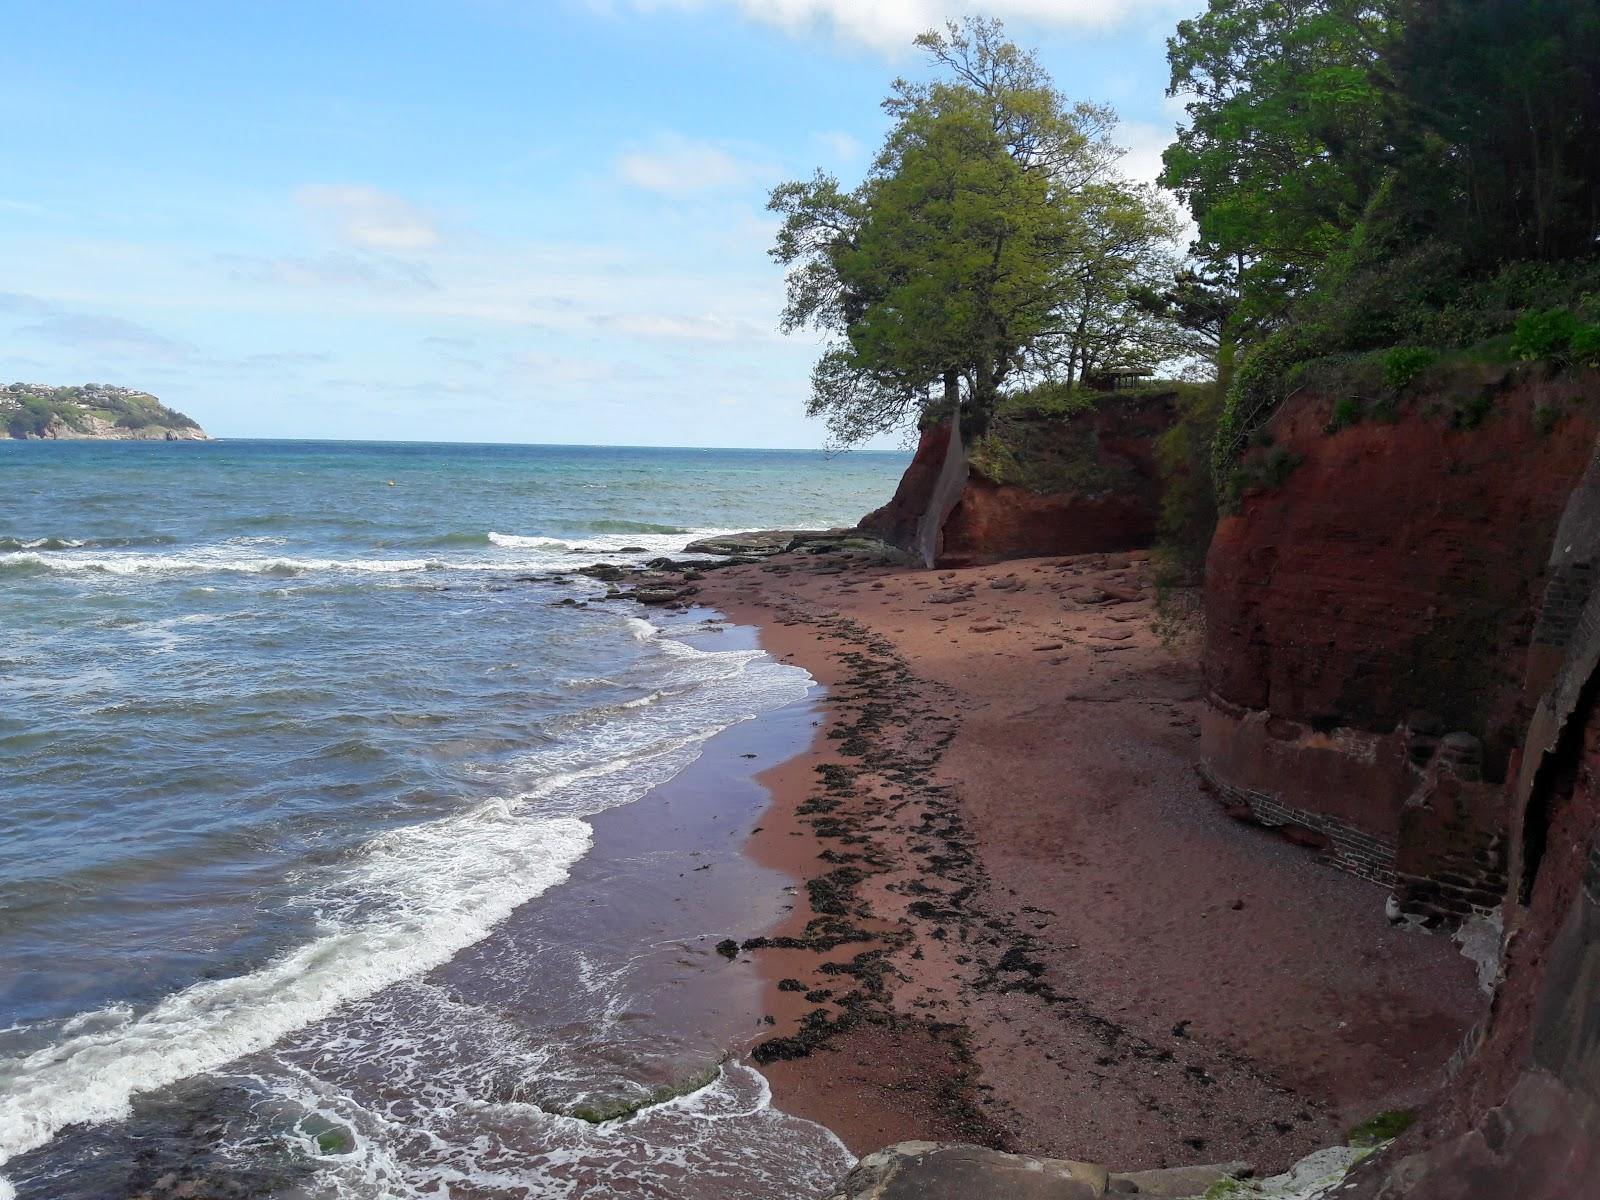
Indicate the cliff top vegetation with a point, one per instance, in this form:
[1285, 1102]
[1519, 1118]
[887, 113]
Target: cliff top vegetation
[28, 409]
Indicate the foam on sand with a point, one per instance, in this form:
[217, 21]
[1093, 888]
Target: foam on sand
[449, 883]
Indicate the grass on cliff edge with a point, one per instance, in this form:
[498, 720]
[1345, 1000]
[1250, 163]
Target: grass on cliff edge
[1036, 442]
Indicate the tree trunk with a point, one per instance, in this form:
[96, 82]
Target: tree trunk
[951, 483]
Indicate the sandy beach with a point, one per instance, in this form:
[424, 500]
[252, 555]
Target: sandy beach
[1019, 919]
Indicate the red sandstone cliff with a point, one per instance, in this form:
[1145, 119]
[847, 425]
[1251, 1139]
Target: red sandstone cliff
[1039, 485]
[1403, 657]
[1378, 604]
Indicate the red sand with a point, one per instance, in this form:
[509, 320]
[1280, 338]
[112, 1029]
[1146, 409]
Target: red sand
[1084, 957]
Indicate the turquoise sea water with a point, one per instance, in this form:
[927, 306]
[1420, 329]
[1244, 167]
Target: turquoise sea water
[282, 730]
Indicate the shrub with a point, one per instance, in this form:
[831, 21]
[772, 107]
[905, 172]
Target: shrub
[1263, 472]
[1543, 334]
[1188, 491]
[1049, 399]
[1403, 364]
[31, 418]
[1471, 412]
[1421, 296]
[1585, 346]
[1346, 412]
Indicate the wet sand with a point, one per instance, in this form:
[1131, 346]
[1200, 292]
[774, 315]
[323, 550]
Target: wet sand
[1023, 923]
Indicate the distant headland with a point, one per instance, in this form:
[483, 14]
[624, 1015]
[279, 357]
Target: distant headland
[95, 411]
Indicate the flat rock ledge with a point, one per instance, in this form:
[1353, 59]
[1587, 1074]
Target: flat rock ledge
[938, 1171]
[764, 543]
[932, 1171]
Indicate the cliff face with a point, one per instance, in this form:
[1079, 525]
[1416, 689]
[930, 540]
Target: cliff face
[1404, 669]
[1040, 485]
[1368, 625]
[1522, 1118]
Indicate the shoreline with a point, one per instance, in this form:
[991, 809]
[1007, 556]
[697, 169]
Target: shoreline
[613, 973]
[1022, 923]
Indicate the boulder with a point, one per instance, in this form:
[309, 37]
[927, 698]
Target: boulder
[655, 595]
[735, 548]
[930, 1171]
[1177, 1183]
[761, 542]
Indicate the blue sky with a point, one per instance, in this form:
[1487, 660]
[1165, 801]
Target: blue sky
[462, 220]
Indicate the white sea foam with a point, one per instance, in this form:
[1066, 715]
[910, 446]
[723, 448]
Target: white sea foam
[449, 883]
[243, 555]
[511, 541]
[206, 561]
[51, 544]
[236, 557]
[639, 545]
[413, 899]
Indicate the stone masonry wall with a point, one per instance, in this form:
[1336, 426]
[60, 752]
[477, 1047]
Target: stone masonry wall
[1346, 847]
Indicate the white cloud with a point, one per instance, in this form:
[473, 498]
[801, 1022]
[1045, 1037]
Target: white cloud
[679, 328]
[368, 217]
[890, 25]
[101, 334]
[841, 146]
[327, 271]
[1144, 143]
[674, 165]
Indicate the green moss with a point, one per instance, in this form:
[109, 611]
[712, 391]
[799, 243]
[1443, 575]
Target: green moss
[1474, 410]
[328, 1137]
[1045, 456]
[1047, 400]
[1224, 1188]
[1414, 301]
[1042, 441]
[1584, 348]
[1384, 1127]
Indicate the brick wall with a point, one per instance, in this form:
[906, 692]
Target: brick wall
[1343, 846]
[1564, 600]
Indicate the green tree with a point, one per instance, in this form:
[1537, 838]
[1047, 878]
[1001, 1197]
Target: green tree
[1199, 304]
[1496, 117]
[1284, 145]
[939, 276]
[1122, 244]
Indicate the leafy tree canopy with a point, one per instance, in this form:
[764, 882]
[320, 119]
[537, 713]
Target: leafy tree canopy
[989, 241]
[1283, 148]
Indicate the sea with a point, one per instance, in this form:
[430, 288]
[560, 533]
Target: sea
[303, 751]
